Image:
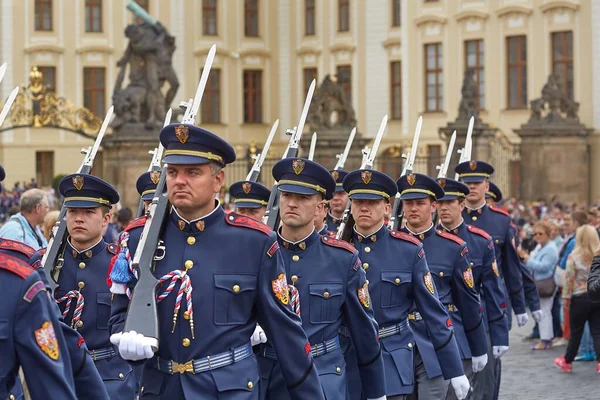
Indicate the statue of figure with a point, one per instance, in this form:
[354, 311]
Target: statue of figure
[330, 108]
[554, 105]
[469, 102]
[37, 90]
[149, 55]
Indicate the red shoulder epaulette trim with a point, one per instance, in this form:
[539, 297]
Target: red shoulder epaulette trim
[405, 236]
[136, 223]
[16, 266]
[499, 211]
[8, 244]
[247, 222]
[41, 252]
[112, 248]
[450, 236]
[478, 231]
[338, 243]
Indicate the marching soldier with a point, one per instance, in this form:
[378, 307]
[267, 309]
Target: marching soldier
[251, 198]
[82, 294]
[31, 335]
[485, 270]
[497, 223]
[494, 195]
[146, 187]
[205, 353]
[448, 261]
[399, 279]
[338, 203]
[327, 277]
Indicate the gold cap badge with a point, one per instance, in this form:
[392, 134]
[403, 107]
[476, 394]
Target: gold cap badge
[155, 177]
[442, 182]
[335, 175]
[78, 182]
[182, 132]
[366, 176]
[298, 166]
[473, 165]
[411, 179]
[246, 187]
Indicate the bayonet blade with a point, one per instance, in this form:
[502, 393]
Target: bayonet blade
[8, 104]
[267, 145]
[92, 154]
[469, 139]
[313, 145]
[300, 127]
[410, 162]
[191, 118]
[2, 71]
[375, 148]
[444, 167]
[344, 156]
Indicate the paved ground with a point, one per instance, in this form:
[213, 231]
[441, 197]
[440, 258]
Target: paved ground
[530, 375]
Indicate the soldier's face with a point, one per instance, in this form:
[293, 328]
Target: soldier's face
[85, 225]
[450, 211]
[368, 214]
[298, 210]
[192, 188]
[320, 217]
[418, 212]
[254, 213]
[478, 190]
[338, 203]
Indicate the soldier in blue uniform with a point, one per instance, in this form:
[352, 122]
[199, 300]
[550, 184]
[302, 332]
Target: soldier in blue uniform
[251, 198]
[146, 186]
[205, 353]
[493, 195]
[497, 223]
[399, 279]
[338, 203]
[483, 259]
[30, 333]
[82, 294]
[448, 260]
[330, 285]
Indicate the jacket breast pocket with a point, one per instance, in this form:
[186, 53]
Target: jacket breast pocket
[102, 310]
[443, 284]
[395, 287]
[234, 298]
[325, 302]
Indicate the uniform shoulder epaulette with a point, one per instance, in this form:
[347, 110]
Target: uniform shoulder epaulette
[235, 219]
[478, 231]
[338, 243]
[112, 248]
[8, 244]
[405, 236]
[499, 211]
[136, 223]
[16, 266]
[450, 236]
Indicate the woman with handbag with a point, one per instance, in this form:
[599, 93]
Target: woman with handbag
[575, 292]
[542, 262]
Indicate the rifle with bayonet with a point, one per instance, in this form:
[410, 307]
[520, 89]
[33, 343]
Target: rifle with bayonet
[155, 163]
[313, 146]
[53, 260]
[344, 156]
[142, 315]
[443, 168]
[271, 217]
[260, 157]
[465, 152]
[396, 217]
[345, 230]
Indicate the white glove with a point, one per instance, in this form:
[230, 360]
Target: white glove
[461, 386]
[384, 397]
[258, 336]
[499, 351]
[134, 346]
[479, 362]
[537, 315]
[522, 319]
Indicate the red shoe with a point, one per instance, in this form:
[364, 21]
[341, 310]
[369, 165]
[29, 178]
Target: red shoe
[598, 368]
[567, 367]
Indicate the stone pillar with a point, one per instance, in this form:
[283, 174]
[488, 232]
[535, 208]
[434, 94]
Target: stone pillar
[125, 159]
[555, 161]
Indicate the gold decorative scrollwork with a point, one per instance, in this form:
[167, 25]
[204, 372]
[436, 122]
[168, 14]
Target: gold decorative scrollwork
[37, 107]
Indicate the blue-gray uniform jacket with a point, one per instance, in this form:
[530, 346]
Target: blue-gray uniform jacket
[399, 279]
[232, 291]
[487, 280]
[332, 223]
[84, 273]
[496, 222]
[88, 383]
[331, 285]
[30, 334]
[448, 261]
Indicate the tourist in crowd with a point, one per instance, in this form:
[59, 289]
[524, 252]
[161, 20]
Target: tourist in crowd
[25, 225]
[575, 294]
[542, 262]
